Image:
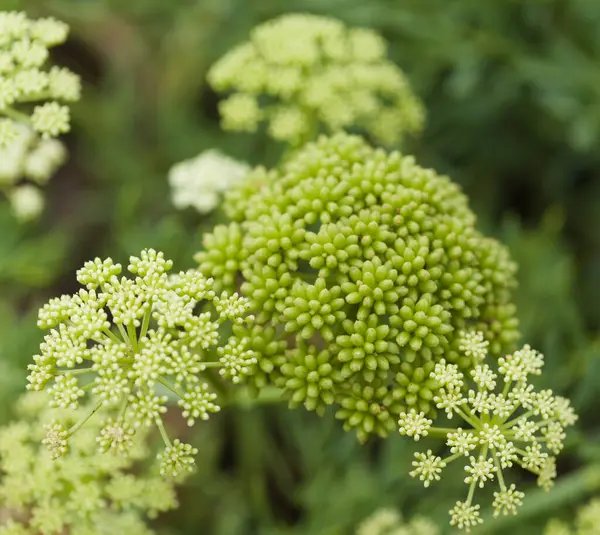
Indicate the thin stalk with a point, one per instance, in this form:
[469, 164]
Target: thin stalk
[85, 419]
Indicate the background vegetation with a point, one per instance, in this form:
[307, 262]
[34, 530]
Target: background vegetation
[512, 89]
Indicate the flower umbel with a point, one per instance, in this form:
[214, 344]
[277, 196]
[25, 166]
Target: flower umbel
[314, 72]
[366, 270]
[128, 342]
[507, 422]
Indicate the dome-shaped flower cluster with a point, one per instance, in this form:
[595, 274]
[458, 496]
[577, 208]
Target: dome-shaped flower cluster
[390, 522]
[300, 72]
[79, 493]
[130, 343]
[24, 80]
[505, 422]
[363, 268]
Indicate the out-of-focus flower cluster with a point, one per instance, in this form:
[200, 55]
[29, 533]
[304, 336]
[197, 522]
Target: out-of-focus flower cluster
[24, 80]
[131, 343]
[301, 72]
[505, 422]
[390, 522]
[200, 182]
[35, 159]
[586, 522]
[32, 109]
[362, 268]
[82, 493]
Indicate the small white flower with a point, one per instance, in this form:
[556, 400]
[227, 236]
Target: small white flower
[26, 202]
[484, 377]
[480, 470]
[465, 516]
[177, 458]
[199, 182]
[474, 345]
[414, 424]
[447, 375]
[462, 442]
[491, 436]
[507, 501]
[428, 467]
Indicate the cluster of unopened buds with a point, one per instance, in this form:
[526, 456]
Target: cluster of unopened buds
[505, 422]
[131, 343]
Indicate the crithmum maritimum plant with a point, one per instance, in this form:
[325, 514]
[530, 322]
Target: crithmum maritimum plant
[504, 421]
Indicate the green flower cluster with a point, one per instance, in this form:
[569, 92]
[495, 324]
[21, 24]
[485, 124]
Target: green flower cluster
[506, 422]
[80, 494]
[24, 45]
[390, 522]
[130, 343]
[301, 72]
[361, 268]
[587, 522]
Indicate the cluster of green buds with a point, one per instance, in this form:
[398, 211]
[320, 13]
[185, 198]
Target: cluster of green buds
[504, 422]
[361, 268]
[24, 80]
[390, 522]
[132, 343]
[82, 493]
[300, 73]
[586, 522]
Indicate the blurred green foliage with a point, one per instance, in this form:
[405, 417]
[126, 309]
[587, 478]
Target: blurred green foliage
[512, 89]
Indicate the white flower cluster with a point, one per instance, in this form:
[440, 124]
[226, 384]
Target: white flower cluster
[200, 181]
[30, 157]
[130, 341]
[27, 147]
[24, 45]
[506, 422]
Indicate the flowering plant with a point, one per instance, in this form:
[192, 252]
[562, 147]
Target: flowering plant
[506, 422]
[120, 340]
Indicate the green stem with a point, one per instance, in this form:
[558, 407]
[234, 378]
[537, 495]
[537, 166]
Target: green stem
[112, 336]
[79, 371]
[467, 418]
[440, 431]
[16, 115]
[132, 336]
[499, 470]
[123, 332]
[171, 387]
[510, 423]
[145, 323]
[163, 432]
[84, 419]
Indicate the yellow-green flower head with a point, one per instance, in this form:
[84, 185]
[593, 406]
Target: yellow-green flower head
[130, 344]
[373, 267]
[586, 522]
[390, 522]
[503, 422]
[301, 73]
[30, 92]
[79, 493]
